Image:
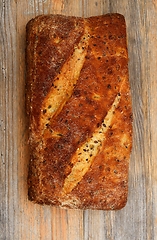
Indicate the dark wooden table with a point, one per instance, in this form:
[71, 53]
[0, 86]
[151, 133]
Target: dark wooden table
[19, 218]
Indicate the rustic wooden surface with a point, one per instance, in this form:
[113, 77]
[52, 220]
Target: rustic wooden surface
[22, 220]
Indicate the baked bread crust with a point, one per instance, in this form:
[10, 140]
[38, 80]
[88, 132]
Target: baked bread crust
[79, 109]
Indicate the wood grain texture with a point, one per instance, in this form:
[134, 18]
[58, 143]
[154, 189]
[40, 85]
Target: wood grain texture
[19, 218]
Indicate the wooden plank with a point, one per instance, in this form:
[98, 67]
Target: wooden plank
[8, 129]
[21, 219]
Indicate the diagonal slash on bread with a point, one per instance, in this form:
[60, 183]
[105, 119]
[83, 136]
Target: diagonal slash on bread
[86, 153]
[65, 82]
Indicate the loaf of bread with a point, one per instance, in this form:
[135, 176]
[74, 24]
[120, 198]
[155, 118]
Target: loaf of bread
[79, 110]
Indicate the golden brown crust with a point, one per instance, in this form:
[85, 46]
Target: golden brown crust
[79, 108]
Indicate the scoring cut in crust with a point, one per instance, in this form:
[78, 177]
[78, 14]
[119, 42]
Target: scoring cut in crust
[79, 109]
